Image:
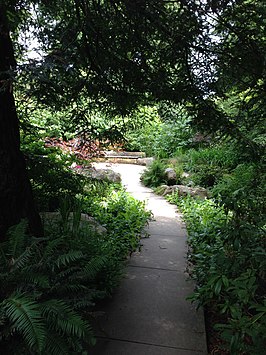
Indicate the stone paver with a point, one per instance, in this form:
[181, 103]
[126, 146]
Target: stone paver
[149, 314]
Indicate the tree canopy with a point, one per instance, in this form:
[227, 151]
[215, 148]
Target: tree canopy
[113, 55]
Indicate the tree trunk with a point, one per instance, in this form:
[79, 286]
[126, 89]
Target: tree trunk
[16, 198]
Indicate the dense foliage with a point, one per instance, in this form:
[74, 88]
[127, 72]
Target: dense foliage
[177, 79]
[165, 128]
[226, 239]
[49, 285]
[228, 258]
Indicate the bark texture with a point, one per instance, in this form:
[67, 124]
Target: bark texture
[16, 198]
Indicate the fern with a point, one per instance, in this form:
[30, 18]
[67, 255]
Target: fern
[48, 285]
[25, 316]
[30, 277]
[65, 321]
[55, 344]
[68, 291]
[17, 239]
[85, 302]
[52, 247]
[69, 272]
[25, 257]
[94, 266]
[68, 258]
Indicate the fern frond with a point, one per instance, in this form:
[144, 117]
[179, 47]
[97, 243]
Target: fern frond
[65, 321]
[24, 258]
[26, 318]
[17, 239]
[68, 290]
[68, 258]
[56, 344]
[71, 273]
[85, 302]
[94, 266]
[52, 247]
[30, 277]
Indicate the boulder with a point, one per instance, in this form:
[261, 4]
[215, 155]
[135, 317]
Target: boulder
[86, 221]
[145, 161]
[100, 174]
[170, 176]
[183, 190]
[105, 174]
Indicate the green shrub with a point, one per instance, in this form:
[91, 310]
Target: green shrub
[154, 175]
[244, 193]
[228, 257]
[51, 178]
[208, 165]
[160, 139]
[143, 139]
[164, 130]
[46, 287]
[122, 216]
[171, 138]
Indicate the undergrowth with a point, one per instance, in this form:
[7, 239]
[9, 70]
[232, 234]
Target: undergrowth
[228, 258]
[50, 285]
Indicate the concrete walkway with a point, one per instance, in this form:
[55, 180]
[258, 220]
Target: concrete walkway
[149, 314]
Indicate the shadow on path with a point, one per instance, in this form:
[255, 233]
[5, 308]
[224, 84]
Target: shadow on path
[148, 313]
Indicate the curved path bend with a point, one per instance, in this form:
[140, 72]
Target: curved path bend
[149, 314]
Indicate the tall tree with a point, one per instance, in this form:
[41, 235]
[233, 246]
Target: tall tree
[119, 50]
[16, 198]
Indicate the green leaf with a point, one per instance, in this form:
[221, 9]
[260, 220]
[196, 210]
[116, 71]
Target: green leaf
[64, 320]
[25, 316]
[68, 258]
[218, 287]
[17, 237]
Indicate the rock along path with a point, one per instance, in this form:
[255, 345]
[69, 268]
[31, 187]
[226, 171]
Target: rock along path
[149, 314]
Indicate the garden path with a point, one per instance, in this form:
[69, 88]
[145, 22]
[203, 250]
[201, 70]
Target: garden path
[149, 314]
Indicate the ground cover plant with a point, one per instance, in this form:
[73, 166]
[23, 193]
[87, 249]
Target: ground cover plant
[229, 268]
[154, 175]
[45, 285]
[50, 285]
[226, 241]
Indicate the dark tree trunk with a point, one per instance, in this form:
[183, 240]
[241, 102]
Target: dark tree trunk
[16, 198]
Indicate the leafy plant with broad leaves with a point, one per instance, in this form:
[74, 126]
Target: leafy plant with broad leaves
[228, 258]
[122, 215]
[48, 170]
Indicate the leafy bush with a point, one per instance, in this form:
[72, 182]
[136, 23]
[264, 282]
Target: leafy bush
[154, 175]
[51, 178]
[164, 130]
[208, 165]
[228, 257]
[122, 216]
[171, 138]
[244, 192]
[143, 138]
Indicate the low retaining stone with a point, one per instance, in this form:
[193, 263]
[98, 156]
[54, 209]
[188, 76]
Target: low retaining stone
[183, 190]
